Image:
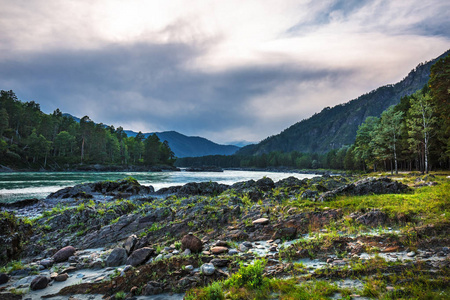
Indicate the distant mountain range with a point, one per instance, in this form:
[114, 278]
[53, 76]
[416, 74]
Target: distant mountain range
[190, 146]
[334, 127]
[185, 146]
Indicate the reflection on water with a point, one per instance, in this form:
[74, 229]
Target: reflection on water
[17, 186]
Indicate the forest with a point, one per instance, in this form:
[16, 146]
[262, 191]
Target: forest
[31, 139]
[412, 135]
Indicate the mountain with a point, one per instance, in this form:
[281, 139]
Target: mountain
[334, 127]
[190, 146]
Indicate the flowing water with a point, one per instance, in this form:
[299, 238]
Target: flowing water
[26, 185]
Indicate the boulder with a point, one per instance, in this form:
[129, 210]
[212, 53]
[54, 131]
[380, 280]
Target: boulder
[117, 257]
[265, 184]
[217, 262]
[152, 288]
[373, 218]
[218, 250]
[207, 269]
[191, 242]
[3, 278]
[61, 277]
[139, 256]
[64, 254]
[130, 243]
[39, 282]
[47, 263]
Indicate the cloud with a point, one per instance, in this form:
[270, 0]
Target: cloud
[226, 70]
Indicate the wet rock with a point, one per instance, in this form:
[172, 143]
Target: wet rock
[10, 296]
[192, 243]
[139, 256]
[189, 268]
[152, 288]
[217, 262]
[207, 269]
[47, 263]
[233, 252]
[130, 243]
[117, 257]
[39, 283]
[218, 250]
[61, 277]
[64, 254]
[373, 218]
[3, 278]
[261, 221]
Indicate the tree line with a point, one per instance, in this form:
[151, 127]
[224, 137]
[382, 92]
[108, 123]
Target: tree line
[412, 135]
[32, 139]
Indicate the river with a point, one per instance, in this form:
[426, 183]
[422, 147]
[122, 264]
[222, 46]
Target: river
[26, 185]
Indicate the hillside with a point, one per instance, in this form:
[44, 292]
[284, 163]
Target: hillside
[334, 127]
[191, 146]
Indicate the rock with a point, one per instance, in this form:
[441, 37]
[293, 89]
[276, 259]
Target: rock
[64, 254]
[186, 252]
[221, 243]
[309, 194]
[265, 184]
[243, 248]
[152, 288]
[191, 242]
[217, 262]
[207, 269]
[218, 250]
[373, 218]
[290, 182]
[139, 256]
[61, 277]
[411, 254]
[3, 278]
[11, 296]
[233, 252]
[39, 283]
[261, 221]
[247, 244]
[47, 263]
[204, 169]
[367, 186]
[130, 243]
[117, 257]
[189, 268]
[390, 249]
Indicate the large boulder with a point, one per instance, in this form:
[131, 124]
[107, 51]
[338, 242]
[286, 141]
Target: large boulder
[63, 254]
[139, 256]
[39, 282]
[117, 257]
[367, 186]
[191, 242]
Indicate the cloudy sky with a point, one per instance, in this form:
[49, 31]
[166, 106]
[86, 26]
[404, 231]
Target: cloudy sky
[226, 70]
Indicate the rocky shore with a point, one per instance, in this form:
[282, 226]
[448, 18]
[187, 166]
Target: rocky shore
[119, 239]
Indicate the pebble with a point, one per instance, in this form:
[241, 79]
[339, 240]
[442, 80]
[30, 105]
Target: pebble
[189, 268]
[232, 252]
[207, 269]
[411, 254]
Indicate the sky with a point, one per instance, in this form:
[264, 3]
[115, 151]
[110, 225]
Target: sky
[230, 71]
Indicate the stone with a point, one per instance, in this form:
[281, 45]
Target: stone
[217, 262]
[61, 277]
[261, 221]
[64, 254]
[186, 252]
[117, 257]
[191, 242]
[130, 243]
[152, 288]
[47, 263]
[411, 254]
[39, 283]
[207, 269]
[233, 252]
[3, 278]
[221, 243]
[390, 249]
[247, 244]
[218, 250]
[373, 218]
[139, 256]
[189, 268]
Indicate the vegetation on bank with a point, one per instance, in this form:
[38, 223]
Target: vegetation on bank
[32, 139]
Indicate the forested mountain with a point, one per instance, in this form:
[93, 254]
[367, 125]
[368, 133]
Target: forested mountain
[31, 139]
[191, 146]
[335, 127]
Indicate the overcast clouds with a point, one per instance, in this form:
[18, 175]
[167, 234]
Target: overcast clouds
[226, 70]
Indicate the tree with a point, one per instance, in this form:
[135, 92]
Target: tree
[64, 143]
[4, 121]
[363, 143]
[387, 134]
[420, 124]
[151, 153]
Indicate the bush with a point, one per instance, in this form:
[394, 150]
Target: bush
[250, 276]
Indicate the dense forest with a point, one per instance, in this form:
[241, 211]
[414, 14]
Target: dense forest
[412, 135]
[31, 139]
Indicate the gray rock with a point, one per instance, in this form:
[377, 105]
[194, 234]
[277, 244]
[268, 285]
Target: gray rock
[61, 277]
[233, 252]
[243, 248]
[189, 268]
[217, 262]
[207, 269]
[47, 263]
[3, 278]
[152, 288]
[39, 283]
[139, 256]
[117, 257]
[130, 243]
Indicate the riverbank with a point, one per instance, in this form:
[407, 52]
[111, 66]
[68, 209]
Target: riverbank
[325, 236]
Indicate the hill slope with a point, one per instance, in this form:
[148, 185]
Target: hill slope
[191, 146]
[334, 127]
